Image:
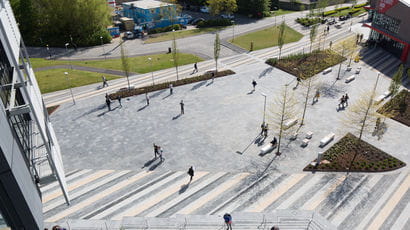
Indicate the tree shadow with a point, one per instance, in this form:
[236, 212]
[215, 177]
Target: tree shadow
[156, 94]
[183, 188]
[103, 113]
[197, 86]
[166, 96]
[148, 163]
[210, 83]
[331, 91]
[176, 117]
[246, 148]
[100, 107]
[142, 108]
[265, 72]
[251, 92]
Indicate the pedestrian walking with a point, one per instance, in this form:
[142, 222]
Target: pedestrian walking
[191, 173]
[330, 44]
[182, 106]
[212, 76]
[228, 221]
[327, 29]
[342, 101]
[195, 68]
[274, 228]
[254, 84]
[171, 89]
[346, 99]
[147, 98]
[297, 82]
[155, 150]
[160, 153]
[105, 83]
[316, 97]
[119, 100]
[108, 102]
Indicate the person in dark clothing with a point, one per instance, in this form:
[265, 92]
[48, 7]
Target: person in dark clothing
[119, 100]
[346, 99]
[155, 150]
[108, 102]
[274, 141]
[195, 68]
[191, 173]
[182, 106]
[147, 98]
[254, 84]
[228, 221]
[105, 83]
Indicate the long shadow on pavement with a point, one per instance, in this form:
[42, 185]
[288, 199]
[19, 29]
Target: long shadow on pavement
[100, 107]
[197, 86]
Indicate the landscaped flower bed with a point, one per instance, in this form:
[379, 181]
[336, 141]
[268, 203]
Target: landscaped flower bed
[399, 106]
[52, 109]
[307, 65]
[147, 89]
[338, 158]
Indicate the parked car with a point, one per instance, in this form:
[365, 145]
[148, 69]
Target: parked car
[204, 9]
[227, 16]
[129, 35]
[331, 21]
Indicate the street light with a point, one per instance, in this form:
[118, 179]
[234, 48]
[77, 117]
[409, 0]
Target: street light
[264, 108]
[233, 30]
[69, 84]
[48, 51]
[102, 44]
[152, 71]
[66, 50]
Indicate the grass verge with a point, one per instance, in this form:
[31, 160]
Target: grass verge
[54, 79]
[399, 106]
[281, 12]
[139, 64]
[147, 89]
[339, 158]
[181, 34]
[307, 65]
[266, 38]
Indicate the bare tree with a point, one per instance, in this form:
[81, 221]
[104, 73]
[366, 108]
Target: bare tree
[283, 110]
[175, 54]
[281, 37]
[311, 83]
[125, 61]
[217, 49]
[396, 81]
[313, 33]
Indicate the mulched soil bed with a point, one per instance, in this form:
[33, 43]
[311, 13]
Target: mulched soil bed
[147, 89]
[52, 109]
[338, 158]
[307, 65]
[399, 106]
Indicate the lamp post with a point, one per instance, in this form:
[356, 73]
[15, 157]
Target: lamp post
[69, 84]
[48, 51]
[233, 30]
[102, 44]
[152, 71]
[264, 108]
[66, 50]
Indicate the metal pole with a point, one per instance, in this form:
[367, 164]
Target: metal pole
[233, 30]
[264, 108]
[69, 84]
[66, 50]
[102, 44]
[152, 71]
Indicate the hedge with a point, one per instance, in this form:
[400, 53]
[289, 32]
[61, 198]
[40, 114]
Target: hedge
[361, 5]
[309, 21]
[330, 12]
[343, 8]
[214, 22]
[147, 89]
[165, 29]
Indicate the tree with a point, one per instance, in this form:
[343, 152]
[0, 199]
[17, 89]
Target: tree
[258, 8]
[396, 81]
[284, 109]
[170, 12]
[313, 33]
[322, 4]
[26, 15]
[217, 49]
[125, 63]
[175, 55]
[222, 6]
[281, 37]
[312, 82]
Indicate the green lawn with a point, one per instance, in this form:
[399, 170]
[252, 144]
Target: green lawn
[139, 64]
[55, 79]
[281, 12]
[181, 34]
[266, 38]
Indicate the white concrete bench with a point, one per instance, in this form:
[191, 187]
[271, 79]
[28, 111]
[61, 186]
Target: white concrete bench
[358, 70]
[290, 123]
[382, 97]
[327, 139]
[349, 68]
[349, 79]
[294, 136]
[305, 142]
[328, 70]
[267, 148]
[309, 135]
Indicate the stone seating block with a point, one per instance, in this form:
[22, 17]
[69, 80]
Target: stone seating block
[349, 79]
[327, 139]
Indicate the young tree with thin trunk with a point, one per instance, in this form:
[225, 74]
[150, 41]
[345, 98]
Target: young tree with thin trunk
[222, 6]
[217, 49]
[283, 110]
[396, 81]
[175, 55]
[126, 66]
[281, 37]
[313, 33]
[311, 83]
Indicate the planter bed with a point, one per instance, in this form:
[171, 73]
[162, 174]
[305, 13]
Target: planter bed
[369, 158]
[399, 106]
[165, 85]
[307, 65]
[52, 109]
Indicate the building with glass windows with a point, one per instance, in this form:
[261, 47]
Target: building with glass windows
[29, 150]
[390, 26]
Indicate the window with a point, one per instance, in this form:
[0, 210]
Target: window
[386, 22]
[6, 76]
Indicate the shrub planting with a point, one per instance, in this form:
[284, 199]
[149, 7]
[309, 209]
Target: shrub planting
[214, 22]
